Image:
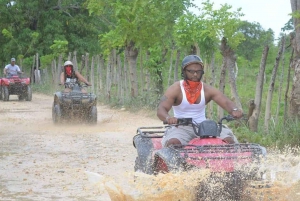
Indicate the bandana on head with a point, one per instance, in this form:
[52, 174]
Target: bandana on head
[69, 70]
[192, 90]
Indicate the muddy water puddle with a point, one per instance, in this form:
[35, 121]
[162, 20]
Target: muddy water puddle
[280, 181]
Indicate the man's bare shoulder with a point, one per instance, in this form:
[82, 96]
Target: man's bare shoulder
[210, 92]
[174, 87]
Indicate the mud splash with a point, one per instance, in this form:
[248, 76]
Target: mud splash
[280, 181]
[143, 187]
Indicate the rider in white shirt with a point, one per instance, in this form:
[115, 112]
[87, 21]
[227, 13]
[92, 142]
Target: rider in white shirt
[11, 69]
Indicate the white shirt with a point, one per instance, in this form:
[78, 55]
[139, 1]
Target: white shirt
[12, 69]
[187, 110]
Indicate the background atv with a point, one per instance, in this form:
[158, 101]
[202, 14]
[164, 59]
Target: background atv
[230, 164]
[15, 85]
[74, 104]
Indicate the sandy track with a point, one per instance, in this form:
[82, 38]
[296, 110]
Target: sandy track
[41, 161]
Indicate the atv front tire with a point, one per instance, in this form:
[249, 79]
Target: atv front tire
[5, 93]
[56, 114]
[28, 94]
[93, 115]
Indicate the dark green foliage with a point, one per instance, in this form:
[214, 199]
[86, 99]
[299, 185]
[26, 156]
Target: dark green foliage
[255, 40]
[32, 26]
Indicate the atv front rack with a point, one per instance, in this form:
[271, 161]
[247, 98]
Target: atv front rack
[151, 132]
[220, 158]
[227, 151]
[77, 98]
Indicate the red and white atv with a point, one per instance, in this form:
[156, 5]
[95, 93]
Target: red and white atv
[15, 85]
[236, 163]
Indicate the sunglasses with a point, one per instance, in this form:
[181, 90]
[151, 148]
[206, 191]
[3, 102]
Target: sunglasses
[194, 71]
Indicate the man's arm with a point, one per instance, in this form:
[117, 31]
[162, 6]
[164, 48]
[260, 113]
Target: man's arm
[223, 101]
[19, 70]
[166, 102]
[81, 78]
[62, 78]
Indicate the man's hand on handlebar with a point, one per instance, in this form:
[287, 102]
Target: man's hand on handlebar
[170, 120]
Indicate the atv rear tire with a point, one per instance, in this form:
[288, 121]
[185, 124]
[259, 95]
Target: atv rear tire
[28, 94]
[5, 93]
[56, 114]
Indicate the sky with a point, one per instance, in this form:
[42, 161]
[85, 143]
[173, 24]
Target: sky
[272, 14]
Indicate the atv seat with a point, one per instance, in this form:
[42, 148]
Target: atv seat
[208, 128]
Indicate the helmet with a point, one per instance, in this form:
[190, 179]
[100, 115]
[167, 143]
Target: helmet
[68, 66]
[191, 59]
[68, 63]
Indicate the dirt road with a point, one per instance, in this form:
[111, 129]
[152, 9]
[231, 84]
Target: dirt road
[41, 161]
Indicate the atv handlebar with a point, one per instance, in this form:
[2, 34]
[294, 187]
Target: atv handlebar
[195, 125]
[187, 121]
[71, 84]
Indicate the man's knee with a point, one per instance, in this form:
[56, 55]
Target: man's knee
[172, 141]
[229, 140]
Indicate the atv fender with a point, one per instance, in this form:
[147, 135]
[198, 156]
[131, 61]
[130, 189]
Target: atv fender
[144, 160]
[168, 159]
[57, 97]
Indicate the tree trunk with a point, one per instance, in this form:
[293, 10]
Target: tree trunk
[171, 67]
[131, 54]
[254, 110]
[32, 79]
[271, 88]
[147, 82]
[119, 78]
[92, 75]
[109, 77]
[210, 111]
[176, 66]
[82, 64]
[159, 82]
[75, 64]
[222, 87]
[280, 81]
[142, 74]
[287, 88]
[87, 66]
[295, 93]
[229, 61]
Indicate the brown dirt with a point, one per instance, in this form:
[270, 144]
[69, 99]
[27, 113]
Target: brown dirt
[43, 161]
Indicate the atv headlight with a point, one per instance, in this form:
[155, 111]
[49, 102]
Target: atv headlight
[67, 100]
[84, 101]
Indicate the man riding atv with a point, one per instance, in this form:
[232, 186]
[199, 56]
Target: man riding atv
[69, 75]
[189, 98]
[11, 69]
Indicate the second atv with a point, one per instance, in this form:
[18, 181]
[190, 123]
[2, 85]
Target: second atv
[74, 105]
[15, 85]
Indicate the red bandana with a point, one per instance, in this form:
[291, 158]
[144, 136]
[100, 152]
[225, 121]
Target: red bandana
[192, 90]
[69, 70]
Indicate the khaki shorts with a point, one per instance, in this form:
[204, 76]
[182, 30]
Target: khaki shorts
[186, 133]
